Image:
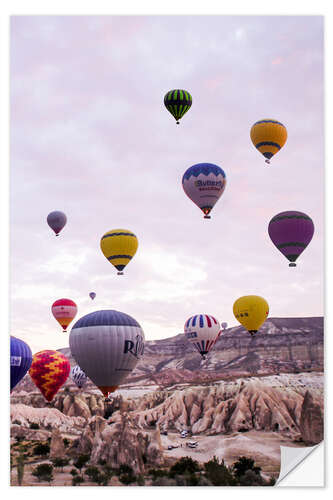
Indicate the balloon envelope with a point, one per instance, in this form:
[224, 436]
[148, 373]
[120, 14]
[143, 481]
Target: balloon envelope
[78, 376]
[291, 232]
[268, 136]
[251, 311]
[204, 183]
[49, 371]
[20, 360]
[107, 345]
[64, 311]
[202, 330]
[178, 102]
[92, 295]
[57, 221]
[119, 247]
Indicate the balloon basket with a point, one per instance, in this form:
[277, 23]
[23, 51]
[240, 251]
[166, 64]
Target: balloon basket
[177, 123]
[120, 273]
[268, 162]
[207, 217]
[292, 264]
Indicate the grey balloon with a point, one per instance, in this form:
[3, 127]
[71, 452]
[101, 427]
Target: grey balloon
[57, 221]
[107, 346]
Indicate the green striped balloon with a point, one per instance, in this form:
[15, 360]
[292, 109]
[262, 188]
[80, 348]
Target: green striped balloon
[178, 102]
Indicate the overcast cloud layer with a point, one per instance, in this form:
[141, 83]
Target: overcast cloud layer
[90, 136]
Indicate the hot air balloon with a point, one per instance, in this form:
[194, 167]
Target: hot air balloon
[291, 232]
[204, 183]
[251, 311]
[78, 376]
[107, 345]
[57, 221]
[92, 295]
[178, 102]
[64, 311]
[20, 360]
[119, 246]
[224, 325]
[268, 136]
[202, 331]
[49, 371]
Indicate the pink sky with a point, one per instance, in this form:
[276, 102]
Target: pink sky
[90, 136]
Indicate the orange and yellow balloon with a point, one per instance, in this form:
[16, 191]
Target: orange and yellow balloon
[268, 136]
[251, 311]
[49, 371]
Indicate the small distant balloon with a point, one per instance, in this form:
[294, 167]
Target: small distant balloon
[251, 311]
[78, 376]
[291, 232]
[49, 371]
[224, 325]
[178, 102]
[20, 360]
[92, 295]
[57, 221]
[64, 311]
[268, 136]
[204, 184]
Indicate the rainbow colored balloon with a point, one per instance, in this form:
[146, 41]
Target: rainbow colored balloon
[49, 371]
[291, 232]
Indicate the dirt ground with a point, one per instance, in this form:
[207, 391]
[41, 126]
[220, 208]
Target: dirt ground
[263, 447]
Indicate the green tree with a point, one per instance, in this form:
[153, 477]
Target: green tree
[218, 473]
[127, 478]
[77, 480]
[66, 442]
[140, 480]
[244, 464]
[43, 472]
[81, 461]
[20, 468]
[42, 449]
[74, 472]
[92, 472]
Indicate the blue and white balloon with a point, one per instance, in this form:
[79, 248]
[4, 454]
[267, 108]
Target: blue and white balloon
[20, 360]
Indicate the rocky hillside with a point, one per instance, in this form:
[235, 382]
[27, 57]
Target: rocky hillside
[283, 345]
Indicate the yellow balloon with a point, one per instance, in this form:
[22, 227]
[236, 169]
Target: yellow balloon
[119, 246]
[251, 311]
[268, 136]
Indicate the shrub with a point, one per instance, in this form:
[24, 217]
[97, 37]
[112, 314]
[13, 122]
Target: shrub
[140, 480]
[17, 422]
[34, 425]
[157, 473]
[125, 469]
[127, 478]
[77, 480]
[183, 466]
[74, 472]
[250, 478]
[244, 464]
[92, 473]
[60, 462]
[81, 461]
[42, 449]
[43, 472]
[66, 442]
[218, 473]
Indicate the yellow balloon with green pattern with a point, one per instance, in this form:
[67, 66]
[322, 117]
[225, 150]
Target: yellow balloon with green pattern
[251, 311]
[268, 136]
[119, 247]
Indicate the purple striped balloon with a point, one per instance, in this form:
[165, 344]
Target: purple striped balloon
[291, 232]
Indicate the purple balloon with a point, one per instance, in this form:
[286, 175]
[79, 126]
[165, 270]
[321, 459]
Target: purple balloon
[291, 232]
[56, 220]
[92, 295]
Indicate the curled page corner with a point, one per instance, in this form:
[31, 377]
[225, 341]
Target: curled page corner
[292, 457]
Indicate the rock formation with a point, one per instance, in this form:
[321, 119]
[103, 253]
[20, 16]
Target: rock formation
[57, 447]
[311, 421]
